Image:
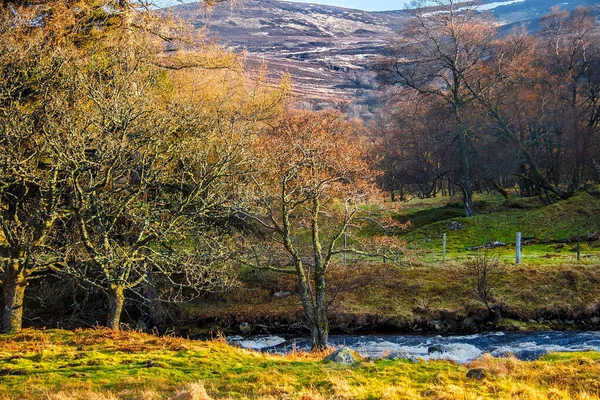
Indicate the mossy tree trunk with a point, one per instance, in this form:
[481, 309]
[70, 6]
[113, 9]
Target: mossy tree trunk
[320, 330]
[14, 284]
[116, 300]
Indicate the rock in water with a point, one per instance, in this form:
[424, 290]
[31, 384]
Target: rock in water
[398, 356]
[342, 356]
[476, 373]
[436, 348]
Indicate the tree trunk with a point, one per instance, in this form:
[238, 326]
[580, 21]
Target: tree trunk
[500, 189]
[320, 328]
[465, 179]
[116, 299]
[14, 285]
[151, 310]
[320, 336]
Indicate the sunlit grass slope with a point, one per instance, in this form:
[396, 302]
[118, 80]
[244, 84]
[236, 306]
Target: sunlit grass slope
[101, 364]
[550, 232]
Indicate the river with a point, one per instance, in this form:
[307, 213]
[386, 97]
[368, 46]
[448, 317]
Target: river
[459, 348]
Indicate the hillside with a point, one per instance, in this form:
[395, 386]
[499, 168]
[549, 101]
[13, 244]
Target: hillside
[329, 50]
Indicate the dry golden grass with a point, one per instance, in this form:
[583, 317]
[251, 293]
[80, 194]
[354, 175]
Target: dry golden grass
[193, 391]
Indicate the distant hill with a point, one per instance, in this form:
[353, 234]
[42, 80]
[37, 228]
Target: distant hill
[329, 50]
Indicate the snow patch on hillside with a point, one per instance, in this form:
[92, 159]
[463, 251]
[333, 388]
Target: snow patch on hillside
[481, 7]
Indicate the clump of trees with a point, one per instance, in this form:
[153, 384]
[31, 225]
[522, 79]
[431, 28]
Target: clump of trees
[117, 170]
[139, 161]
[480, 109]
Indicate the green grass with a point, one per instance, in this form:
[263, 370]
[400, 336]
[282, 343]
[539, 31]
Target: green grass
[101, 364]
[500, 220]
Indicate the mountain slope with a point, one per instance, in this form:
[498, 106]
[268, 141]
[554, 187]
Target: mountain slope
[329, 50]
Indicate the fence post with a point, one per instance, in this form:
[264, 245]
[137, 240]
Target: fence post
[518, 245]
[444, 247]
[578, 246]
[384, 259]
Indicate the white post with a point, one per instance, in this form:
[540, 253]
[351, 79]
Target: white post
[518, 245]
[444, 247]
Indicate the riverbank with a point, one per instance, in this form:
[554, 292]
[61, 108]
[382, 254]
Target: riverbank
[425, 298]
[550, 289]
[101, 364]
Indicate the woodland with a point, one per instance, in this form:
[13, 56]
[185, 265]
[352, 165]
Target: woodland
[144, 167]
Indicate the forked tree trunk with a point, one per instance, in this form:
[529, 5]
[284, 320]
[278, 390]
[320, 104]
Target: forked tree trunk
[14, 285]
[116, 299]
[319, 333]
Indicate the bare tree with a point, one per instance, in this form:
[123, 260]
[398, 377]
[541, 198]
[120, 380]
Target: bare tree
[32, 197]
[571, 54]
[484, 274]
[311, 175]
[434, 55]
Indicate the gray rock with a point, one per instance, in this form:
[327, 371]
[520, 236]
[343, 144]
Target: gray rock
[595, 320]
[282, 295]
[476, 373]
[436, 325]
[414, 360]
[245, 327]
[398, 356]
[342, 356]
[468, 323]
[436, 348]
[454, 225]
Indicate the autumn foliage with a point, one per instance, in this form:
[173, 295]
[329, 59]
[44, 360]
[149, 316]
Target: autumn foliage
[475, 108]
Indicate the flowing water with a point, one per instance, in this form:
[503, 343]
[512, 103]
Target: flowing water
[464, 348]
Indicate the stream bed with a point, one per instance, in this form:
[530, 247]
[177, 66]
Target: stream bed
[459, 348]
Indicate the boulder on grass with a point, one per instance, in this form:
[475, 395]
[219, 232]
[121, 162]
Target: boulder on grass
[476, 373]
[342, 356]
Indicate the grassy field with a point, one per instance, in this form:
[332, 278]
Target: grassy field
[550, 232]
[102, 364]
